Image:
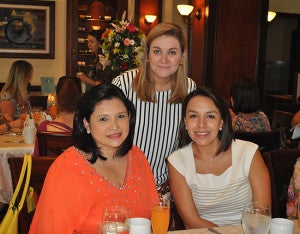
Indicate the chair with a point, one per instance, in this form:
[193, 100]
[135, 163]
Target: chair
[281, 119]
[40, 101]
[53, 143]
[281, 166]
[267, 141]
[40, 166]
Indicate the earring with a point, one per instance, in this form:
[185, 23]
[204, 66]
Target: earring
[220, 128]
[181, 63]
[185, 127]
[88, 131]
[148, 60]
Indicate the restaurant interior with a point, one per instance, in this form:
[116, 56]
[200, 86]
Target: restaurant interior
[227, 40]
[265, 51]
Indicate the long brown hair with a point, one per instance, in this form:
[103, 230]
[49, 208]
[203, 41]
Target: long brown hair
[142, 83]
[18, 78]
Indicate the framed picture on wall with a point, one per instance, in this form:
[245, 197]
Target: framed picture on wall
[27, 29]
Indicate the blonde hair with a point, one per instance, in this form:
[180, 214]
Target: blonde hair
[142, 83]
[18, 78]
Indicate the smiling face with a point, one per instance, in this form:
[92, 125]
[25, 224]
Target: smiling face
[109, 125]
[93, 44]
[203, 121]
[165, 56]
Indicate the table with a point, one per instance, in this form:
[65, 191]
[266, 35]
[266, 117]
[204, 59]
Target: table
[11, 145]
[225, 230]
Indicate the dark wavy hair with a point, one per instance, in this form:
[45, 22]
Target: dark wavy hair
[68, 93]
[225, 135]
[245, 95]
[86, 106]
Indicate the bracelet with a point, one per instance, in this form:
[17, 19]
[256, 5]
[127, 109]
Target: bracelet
[8, 126]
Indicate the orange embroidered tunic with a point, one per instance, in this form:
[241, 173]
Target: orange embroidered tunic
[74, 194]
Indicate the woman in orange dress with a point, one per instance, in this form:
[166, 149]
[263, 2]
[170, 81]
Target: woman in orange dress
[102, 169]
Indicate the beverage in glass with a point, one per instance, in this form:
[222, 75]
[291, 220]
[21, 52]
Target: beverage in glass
[256, 218]
[114, 220]
[53, 110]
[23, 111]
[37, 114]
[23, 116]
[115, 228]
[160, 216]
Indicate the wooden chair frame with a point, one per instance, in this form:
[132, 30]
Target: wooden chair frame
[281, 166]
[40, 166]
[54, 142]
[267, 141]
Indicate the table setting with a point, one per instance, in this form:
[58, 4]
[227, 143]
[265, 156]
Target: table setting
[256, 219]
[12, 144]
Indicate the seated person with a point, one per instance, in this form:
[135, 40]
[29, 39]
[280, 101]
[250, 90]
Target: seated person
[68, 94]
[246, 114]
[212, 176]
[104, 168]
[13, 95]
[291, 205]
[296, 119]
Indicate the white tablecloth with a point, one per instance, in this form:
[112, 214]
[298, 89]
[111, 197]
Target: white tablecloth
[225, 230]
[10, 146]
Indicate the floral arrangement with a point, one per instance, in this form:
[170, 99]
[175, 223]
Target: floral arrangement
[122, 45]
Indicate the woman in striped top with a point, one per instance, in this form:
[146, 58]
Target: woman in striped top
[213, 175]
[157, 91]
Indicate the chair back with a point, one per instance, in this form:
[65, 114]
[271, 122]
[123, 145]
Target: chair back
[40, 101]
[267, 141]
[281, 166]
[53, 143]
[40, 166]
[281, 119]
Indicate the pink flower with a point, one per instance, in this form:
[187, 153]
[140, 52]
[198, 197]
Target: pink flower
[127, 41]
[131, 27]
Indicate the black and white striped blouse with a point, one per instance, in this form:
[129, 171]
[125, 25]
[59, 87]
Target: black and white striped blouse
[156, 124]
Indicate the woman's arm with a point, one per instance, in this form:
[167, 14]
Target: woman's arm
[296, 119]
[260, 179]
[7, 109]
[184, 202]
[86, 79]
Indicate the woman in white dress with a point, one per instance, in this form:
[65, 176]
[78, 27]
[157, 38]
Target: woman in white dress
[213, 175]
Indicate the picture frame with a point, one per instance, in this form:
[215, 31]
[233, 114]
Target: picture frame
[27, 29]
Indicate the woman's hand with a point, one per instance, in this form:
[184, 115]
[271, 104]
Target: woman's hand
[82, 76]
[16, 123]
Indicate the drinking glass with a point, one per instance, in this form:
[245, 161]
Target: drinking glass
[114, 220]
[256, 218]
[160, 216]
[53, 110]
[37, 114]
[23, 113]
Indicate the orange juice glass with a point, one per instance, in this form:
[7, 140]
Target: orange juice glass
[53, 111]
[23, 116]
[160, 216]
[37, 114]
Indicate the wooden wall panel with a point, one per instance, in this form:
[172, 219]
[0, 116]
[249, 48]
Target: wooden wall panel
[233, 45]
[197, 44]
[237, 42]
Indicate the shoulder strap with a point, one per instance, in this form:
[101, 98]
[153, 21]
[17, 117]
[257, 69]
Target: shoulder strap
[28, 174]
[26, 165]
[60, 126]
